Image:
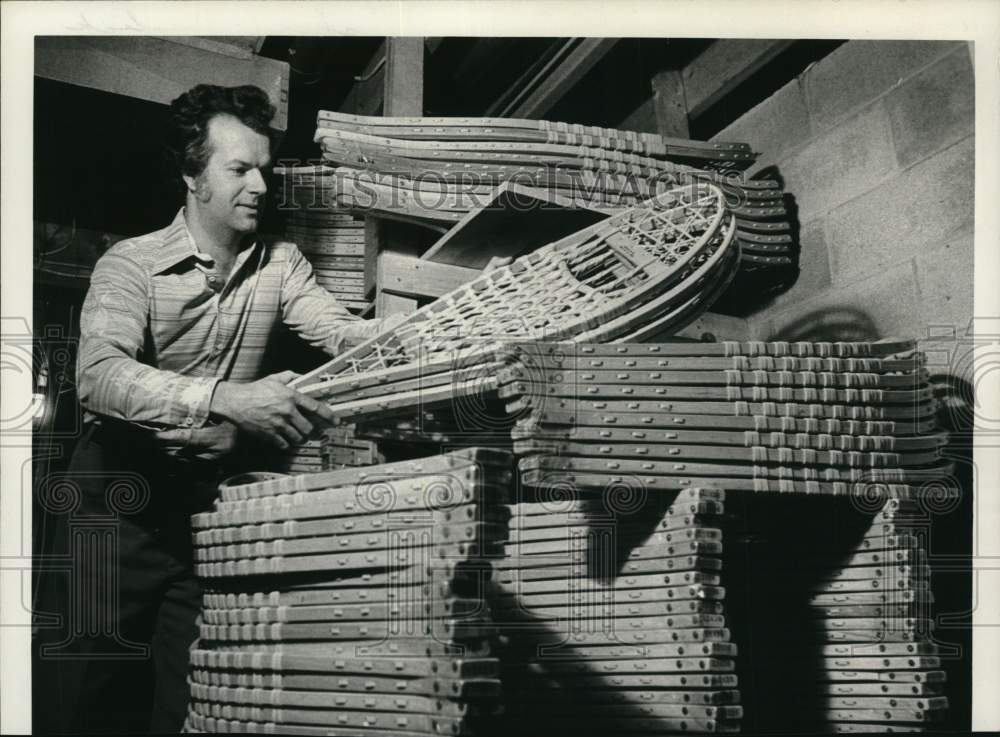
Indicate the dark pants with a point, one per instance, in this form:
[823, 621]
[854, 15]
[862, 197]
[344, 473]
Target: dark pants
[130, 599]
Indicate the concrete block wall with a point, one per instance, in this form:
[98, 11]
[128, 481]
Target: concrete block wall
[875, 142]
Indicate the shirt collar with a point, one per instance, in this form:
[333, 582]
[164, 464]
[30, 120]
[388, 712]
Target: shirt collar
[178, 245]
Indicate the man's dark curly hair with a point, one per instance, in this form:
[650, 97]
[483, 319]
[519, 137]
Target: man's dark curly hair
[187, 135]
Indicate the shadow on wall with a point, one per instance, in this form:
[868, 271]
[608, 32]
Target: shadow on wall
[758, 282]
[957, 405]
[839, 324]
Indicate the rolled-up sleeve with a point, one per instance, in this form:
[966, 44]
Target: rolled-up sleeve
[111, 380]
[316, 315]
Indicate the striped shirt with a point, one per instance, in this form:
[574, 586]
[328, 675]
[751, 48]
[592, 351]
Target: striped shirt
[157, 332]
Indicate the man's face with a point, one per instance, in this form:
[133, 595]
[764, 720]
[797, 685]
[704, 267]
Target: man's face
[230, 191]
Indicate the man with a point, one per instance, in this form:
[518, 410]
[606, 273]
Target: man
[172, 342]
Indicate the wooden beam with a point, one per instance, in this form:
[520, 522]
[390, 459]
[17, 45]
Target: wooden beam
[519, 89]
[239, 47]
[477, 61]
[724, 65]
[410, 276]
[670, 104]
[155, 69]
[556, 81]
[404, 76]
[642, 119]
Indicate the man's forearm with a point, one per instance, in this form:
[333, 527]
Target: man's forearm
[126, 389]
[316, 316]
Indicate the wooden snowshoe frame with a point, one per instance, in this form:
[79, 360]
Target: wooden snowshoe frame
[604, 275]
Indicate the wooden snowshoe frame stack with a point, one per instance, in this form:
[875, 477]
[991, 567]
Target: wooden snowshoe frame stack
[825, 418]
[352, 602]
[805, 418]
[612, 617]
[431, 130]
[334, 244]
[397, 168]
[632, 639]
[332, 449]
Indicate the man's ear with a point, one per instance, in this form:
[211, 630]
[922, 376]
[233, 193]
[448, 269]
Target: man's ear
[197, 187]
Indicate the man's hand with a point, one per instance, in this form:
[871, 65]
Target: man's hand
[269, 409]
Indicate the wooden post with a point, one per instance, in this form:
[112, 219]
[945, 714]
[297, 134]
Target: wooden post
[404, 76]
[403, 94]
[373, 238]
[670, 104]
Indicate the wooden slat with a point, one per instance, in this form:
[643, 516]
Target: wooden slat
[155, 69]
[725, 64]
[570, 70]
[409, 276]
